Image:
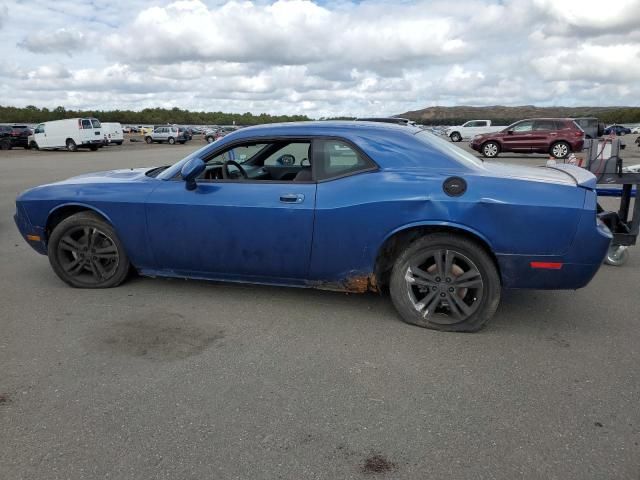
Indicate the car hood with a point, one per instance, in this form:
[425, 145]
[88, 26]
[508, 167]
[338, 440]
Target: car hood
[563, 174]
[109, 176]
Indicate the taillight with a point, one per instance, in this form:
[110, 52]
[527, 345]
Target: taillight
[578, 133]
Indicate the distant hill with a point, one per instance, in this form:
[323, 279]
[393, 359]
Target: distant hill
[505, 115]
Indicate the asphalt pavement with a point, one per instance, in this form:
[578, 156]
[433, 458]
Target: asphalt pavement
[174, 379]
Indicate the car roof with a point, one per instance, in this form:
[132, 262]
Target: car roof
[547, 118]
[326, 128]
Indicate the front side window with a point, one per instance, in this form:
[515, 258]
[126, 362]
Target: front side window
[95, 122]
[336, 158]
[523, 126]
[240, 153]
[295, 153]
[39, 129]
[86, 124]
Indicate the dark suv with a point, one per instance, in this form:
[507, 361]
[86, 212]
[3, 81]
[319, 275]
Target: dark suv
[14, 136]
[556, 136]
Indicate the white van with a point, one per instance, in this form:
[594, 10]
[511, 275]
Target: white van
[112, 133]
[72, 133]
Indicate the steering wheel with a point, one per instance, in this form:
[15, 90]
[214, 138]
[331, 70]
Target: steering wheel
[309, 162]
[225, 169]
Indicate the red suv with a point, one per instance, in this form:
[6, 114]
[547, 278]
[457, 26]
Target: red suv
[556, 136]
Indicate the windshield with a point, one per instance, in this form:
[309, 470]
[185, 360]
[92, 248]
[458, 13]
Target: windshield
[448, 149]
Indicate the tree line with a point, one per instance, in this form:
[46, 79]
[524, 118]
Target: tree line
[33, 114]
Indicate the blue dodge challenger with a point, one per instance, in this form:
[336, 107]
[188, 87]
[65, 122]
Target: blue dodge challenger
[350, 206]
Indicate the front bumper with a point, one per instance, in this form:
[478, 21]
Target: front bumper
[34, 236]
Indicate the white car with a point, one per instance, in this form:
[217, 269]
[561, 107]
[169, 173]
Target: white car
[635, 130]
[72, 134]
[113, 133]
[470, 129]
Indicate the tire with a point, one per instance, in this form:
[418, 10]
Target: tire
[431, 298]
[171, 140]
[149, 140]
[93, 148]
[71, 145]
[617, 255]
[560, 150]
[33, 145]
[490, 149]
[120, 142]
[455, 137]
[5, 145]
[209, 139]
[182, 143]
[74, 240]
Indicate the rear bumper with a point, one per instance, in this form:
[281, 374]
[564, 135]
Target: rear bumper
[34, 236]
[578, 266]
[516, 272]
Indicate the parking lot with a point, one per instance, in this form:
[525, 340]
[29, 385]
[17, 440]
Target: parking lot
[185, 379]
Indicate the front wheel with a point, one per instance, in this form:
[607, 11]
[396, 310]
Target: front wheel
[149, 140]
[445, 282]
[455, 137]
[33, 145]
[85, 252]
[490, 149]
[560, 150]
[209, 139]
[5, 145]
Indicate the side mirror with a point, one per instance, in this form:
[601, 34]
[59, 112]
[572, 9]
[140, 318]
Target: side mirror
[191, 170]
[510, 132]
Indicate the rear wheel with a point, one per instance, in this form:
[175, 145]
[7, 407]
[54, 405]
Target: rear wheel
[560, 150]
[455, 137]
[93, 148]
[490, 149]
[209, 139]
[149, 140]
[171, 140]
[71, 145]
[85, 252]
[445, 282]
[5, 144]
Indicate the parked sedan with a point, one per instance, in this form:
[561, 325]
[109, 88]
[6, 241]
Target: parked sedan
[555, 136]
[617, 130]
[348, 206]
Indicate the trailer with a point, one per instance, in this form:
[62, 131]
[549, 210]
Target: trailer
[615, 180]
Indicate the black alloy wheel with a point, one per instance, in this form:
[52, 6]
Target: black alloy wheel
[445, 282]
[86, 252]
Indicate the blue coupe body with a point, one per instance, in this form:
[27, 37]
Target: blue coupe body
[368, 188]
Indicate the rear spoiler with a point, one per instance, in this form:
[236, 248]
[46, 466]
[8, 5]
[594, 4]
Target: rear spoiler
[583, 177]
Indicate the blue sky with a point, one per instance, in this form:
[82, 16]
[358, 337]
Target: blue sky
[319, 58]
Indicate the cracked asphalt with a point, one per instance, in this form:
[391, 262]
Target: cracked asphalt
[174, 379]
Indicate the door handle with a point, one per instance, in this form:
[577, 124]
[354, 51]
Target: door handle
[292, 198]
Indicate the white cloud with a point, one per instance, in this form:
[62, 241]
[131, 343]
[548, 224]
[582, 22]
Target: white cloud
[61, 40]
[339, 57]
[4, 14]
